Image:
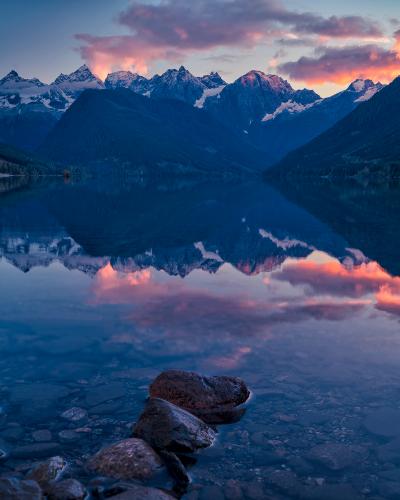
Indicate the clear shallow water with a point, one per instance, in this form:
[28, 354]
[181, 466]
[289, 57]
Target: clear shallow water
[104, 286]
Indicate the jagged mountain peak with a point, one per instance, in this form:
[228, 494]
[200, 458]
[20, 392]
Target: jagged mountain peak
[212, 80]
[128, 80]
[14, 77]
[179, 74]
[360, 84]
[82, 74]
[259, 78]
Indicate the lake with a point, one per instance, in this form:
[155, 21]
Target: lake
[295, 289]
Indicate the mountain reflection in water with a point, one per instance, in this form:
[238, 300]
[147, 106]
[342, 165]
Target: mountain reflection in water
[296, 291]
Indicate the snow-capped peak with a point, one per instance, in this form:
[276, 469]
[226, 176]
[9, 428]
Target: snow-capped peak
[364, 89]
[14, 78]
[359, 85]
[119, 79]
[127, 80]
[11, 76]
[77, 81]
[82, 74]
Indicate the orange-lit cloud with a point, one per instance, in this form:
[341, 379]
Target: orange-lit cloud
[335, 279]
[388, 300]
[342, 65]
[178, 308]
[108, 281]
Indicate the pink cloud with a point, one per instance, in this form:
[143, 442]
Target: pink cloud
[344, 64]
[179, 309]
[174, 29]
[336, 279]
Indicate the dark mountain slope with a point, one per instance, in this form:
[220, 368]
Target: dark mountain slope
[15, 162]
[293, 125]
[109, 126]
[366, 142]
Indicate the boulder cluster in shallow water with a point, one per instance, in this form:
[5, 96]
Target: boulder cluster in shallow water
[176, 421]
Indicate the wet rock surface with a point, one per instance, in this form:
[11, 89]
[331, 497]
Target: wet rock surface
[210, 398]
[166, 426]
[136, 492]
[36, 450]
[129, 459]
[75, 414]
[16, 489]
[68, 489]
[262, 456]
[47, 472]
[337, 456]
[383, 422]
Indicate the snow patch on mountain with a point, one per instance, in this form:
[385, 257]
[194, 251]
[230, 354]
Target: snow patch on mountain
[286, 243]
[209, 92]
[290, 107]
[206, 254]
[368, 94]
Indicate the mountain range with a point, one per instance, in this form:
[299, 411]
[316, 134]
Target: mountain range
[293, 124]
[365, 142]
[108, 127]
[260, 113]
[203, 227]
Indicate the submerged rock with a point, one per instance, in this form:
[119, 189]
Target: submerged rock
[13, 433]
[389, 452]
[128, 459]
[42, 435]
[102, 393]
[383, 422]
[46, 472]
[167, 427]
[337, 456]
[4, 451]
[136, 492]
[16, 489]
[75, 414]
[69, 436]
[207, 397]
[68, 489]
[36, 450]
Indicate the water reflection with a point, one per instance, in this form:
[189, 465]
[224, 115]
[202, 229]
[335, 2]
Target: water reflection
[106, 284]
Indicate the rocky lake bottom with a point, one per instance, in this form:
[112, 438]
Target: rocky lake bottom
[95, 304]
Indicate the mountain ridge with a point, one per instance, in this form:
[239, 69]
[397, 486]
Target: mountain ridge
[365, 142]
[108, 126]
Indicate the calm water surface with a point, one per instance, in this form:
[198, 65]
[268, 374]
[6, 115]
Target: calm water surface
[102, 286]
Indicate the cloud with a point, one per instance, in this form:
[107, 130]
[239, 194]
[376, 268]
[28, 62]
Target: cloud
[179, 309]
[334, 278]
[388, 300]
[344, 64]
[173, 29]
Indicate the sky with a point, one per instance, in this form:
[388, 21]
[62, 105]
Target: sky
[321, 45]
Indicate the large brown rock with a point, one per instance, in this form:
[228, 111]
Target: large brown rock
[128, 459]
[212, 399]
[167, 427]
